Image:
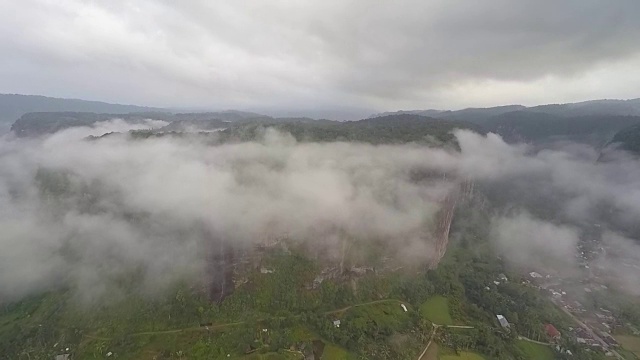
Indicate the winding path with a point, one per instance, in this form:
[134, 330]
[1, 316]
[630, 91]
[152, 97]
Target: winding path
[433, 333]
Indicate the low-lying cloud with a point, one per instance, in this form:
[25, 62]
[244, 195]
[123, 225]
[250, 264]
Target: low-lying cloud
[80, 211]
[83, 213]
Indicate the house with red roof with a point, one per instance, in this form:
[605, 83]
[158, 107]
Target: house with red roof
[552, 332]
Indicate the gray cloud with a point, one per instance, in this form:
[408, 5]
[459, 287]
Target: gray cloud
[83, 213]
[547, 201]
[332, 54]
[526, 241]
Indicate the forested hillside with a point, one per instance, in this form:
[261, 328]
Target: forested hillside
[287, 305]
[13, 106]
[628, 139]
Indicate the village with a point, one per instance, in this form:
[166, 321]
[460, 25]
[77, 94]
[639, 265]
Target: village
[594, 327]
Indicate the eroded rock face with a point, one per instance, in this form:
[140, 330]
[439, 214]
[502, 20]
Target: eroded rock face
[445, 218]
[229, 264]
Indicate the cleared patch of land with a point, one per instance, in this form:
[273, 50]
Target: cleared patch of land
[628, 355]
[630, 343]
[436, 310]
[462, 356]
[274, 356]
[432, 352]
[333, 352]
[535, 351]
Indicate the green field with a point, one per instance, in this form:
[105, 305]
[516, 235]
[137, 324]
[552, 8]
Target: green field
[436, 310]
[462, 356]
[275, 356]
[432, 352]
[630, 343]
[628, 355]
[332, 352]
[535, 351]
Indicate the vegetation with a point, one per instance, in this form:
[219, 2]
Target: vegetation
[535, 351]
[436, 310]
[531, 126]
[332, 352]
[281, 314]
[462, 356]
[628, 139]
[630, 343]
[448, 354]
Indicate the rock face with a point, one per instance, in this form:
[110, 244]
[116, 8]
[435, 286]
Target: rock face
[444, 219]
[220, 271]
[228, 266]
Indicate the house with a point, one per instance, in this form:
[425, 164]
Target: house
[503, 321]
[336, 323]
[503, 277]
[535, 275]
[404, 307]
[62, 357]
[552, 332]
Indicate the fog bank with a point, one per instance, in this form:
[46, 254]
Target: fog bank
[84, 213]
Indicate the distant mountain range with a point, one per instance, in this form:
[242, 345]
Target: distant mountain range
[593, 122]
[479, 115]
[13, 106]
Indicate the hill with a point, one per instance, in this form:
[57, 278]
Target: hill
[41, 123]
[391, 129]
[13, 106]
[474, 115]
[478, 115]
[538, 127]
[629, 107]
[627, 139]
[593, 122]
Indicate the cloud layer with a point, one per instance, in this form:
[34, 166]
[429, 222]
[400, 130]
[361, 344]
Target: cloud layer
[331, 55]
[85, 212]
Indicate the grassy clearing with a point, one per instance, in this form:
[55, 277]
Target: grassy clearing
[462, 356]
[333, 352]
[630, 343]
[446, 353]
[275, 356]
[535, 351]
[628, 355]
[436, 310]
[387, 317]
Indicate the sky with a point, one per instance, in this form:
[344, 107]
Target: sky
[345, 56]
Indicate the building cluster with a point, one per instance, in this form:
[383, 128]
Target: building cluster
[595, 327]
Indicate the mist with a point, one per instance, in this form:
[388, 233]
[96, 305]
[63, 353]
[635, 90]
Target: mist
[82, 213]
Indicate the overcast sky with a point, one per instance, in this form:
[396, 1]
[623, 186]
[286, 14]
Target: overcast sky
[332, 54]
